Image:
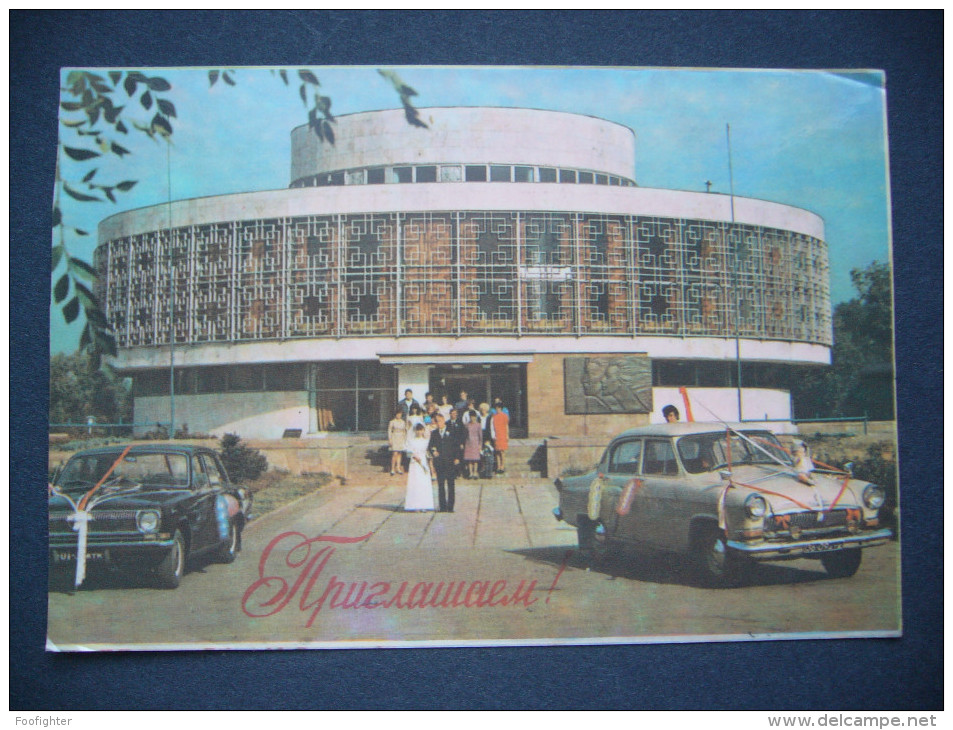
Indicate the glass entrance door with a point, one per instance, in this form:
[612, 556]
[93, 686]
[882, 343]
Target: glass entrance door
[483, 383]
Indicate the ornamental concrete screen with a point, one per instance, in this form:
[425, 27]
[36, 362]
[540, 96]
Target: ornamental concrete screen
[498, 231]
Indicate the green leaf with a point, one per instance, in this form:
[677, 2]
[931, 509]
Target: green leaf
[146, 100]
[109, 194]
[129, 85]
[81, 232]
[71, 123]
[157, 83]
[304, 95]
[80, 267]
[212, 78]
[57, 216]
[166, 107]
[308, 77]
[111, 112]
[161, 125]
[80, 154]
[89, 301]
[328, 131]
[58, 253]
[119, 149]
[89, 175]
[95, 315]
[120, 127]
[82, 197]
[284, 76]
[61, 289]
[70, 106]
[126, 185]
[228, 79]
[114, 76]
[71, 310]
[84, 339]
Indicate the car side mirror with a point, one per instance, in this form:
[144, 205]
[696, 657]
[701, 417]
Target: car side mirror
[725, 474]
[849, 468]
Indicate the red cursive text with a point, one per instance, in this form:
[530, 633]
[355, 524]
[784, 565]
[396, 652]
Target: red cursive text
[271, 593]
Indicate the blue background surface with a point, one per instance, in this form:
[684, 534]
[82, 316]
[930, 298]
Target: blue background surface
[887, 674]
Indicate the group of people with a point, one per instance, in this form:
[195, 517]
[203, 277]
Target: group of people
[444, 441]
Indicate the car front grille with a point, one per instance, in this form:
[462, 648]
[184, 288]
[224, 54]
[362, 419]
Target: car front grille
[104, 521]
[809, 520]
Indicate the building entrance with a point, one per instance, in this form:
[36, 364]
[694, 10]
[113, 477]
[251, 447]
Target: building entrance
[483, 383]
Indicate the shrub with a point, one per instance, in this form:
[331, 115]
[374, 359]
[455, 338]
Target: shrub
[241, 462]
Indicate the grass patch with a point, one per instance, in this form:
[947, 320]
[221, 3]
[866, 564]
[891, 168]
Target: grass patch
[273, 490]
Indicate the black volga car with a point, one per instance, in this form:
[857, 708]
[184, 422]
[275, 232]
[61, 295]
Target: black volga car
[148, 507]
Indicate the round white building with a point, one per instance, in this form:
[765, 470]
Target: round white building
[505, 252]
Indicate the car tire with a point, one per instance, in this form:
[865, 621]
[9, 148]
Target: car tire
[595, 550]
[229, 550]
[170, 571]
[715, 566]
[842, 564]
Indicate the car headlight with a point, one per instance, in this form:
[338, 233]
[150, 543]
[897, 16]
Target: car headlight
[873, 496]
[755, 506]
[147, 521]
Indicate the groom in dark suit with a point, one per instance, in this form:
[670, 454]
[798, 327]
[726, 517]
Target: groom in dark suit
[446, 449]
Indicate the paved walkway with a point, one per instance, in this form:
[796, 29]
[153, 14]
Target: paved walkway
[504, 513]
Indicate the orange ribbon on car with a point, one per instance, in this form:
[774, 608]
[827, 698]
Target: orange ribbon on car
[82, 503]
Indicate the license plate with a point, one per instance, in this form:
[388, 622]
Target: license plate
[69, 556]
[823, 547]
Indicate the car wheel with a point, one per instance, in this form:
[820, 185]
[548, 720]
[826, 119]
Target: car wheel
[170, 570]
[715, 565]
[595, 548]
[228, 551]
[842, 564]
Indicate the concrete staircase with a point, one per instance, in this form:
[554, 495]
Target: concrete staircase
[370, 461]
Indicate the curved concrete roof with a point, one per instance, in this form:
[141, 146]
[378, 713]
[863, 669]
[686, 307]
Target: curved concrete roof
[478, 135]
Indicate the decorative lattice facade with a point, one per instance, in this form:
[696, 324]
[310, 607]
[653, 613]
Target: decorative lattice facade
[465, 273]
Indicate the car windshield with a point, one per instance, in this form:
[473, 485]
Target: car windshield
[709, 451]
[160, 470]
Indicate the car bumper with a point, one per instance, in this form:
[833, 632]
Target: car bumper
[808, 548]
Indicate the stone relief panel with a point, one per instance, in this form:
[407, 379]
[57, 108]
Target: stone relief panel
[607, 384]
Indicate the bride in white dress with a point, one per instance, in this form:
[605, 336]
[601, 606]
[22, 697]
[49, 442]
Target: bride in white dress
[419, 486]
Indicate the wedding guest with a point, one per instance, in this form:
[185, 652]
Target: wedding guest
[397, 440]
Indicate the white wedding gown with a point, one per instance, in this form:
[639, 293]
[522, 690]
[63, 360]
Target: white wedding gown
[419, 487]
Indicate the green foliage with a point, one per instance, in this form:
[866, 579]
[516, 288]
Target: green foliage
[861, 377]
[241, 462]
[80, 388]
[97, 112]
[98, 104]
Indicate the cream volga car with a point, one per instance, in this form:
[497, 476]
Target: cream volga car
[724, 495]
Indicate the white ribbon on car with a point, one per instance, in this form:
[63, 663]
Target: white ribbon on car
[81, 516]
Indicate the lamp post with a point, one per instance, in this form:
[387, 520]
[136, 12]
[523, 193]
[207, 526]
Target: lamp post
[734, 272]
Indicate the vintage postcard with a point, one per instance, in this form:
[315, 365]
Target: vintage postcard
[450, 356]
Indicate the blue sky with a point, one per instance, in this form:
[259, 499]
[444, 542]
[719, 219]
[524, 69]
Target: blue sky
[811, 139]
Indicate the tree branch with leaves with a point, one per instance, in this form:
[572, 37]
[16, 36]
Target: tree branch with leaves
[100, 109]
